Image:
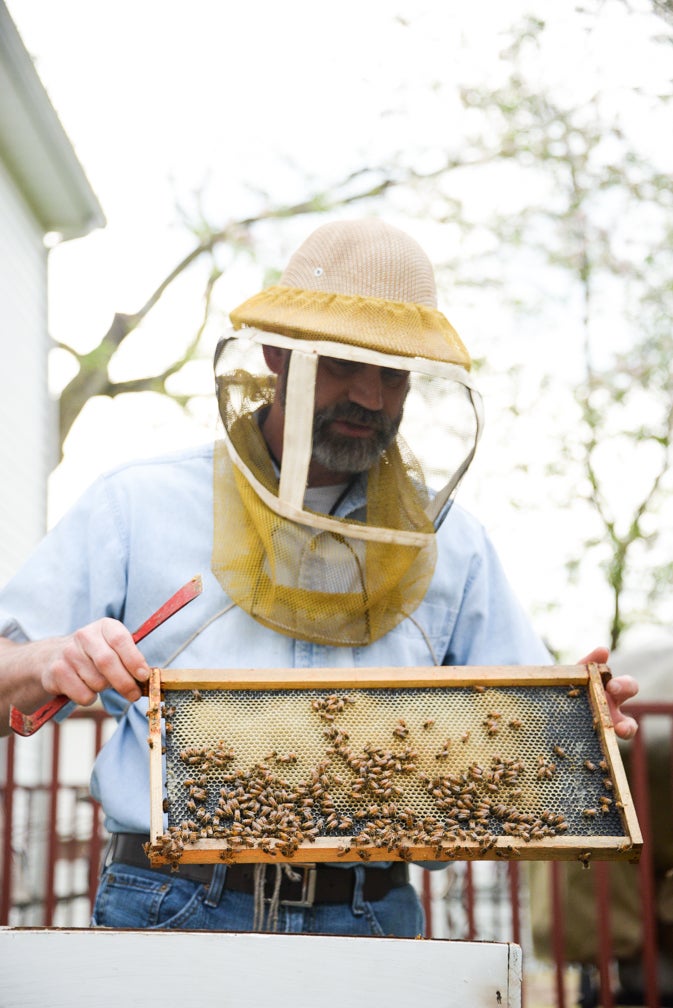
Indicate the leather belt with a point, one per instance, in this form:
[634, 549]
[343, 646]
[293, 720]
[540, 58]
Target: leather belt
[317, 883]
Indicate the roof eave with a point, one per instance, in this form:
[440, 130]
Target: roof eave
[35, 148]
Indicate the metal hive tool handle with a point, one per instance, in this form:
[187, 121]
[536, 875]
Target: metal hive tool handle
[28, 724]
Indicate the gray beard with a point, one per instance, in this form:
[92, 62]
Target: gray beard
[343, 454]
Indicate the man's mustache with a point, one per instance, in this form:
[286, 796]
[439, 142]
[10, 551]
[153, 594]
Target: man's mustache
[356, 414]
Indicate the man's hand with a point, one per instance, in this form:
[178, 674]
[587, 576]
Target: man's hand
[102, 654]
[96, 657]
[618, 691]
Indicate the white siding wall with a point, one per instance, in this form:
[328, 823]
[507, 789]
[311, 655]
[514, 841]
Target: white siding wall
[27, 416]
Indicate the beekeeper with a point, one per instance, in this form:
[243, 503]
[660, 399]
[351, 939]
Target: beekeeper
[324, 527]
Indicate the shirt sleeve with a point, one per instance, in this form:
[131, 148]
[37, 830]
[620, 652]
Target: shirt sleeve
[76, 574]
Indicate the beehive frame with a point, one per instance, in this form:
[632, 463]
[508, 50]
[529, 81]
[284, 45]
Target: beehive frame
[315, 765]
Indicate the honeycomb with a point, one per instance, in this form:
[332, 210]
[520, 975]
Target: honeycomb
[438, 772]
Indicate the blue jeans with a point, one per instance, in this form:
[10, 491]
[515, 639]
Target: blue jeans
[130, 897]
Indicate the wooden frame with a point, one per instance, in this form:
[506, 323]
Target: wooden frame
[583, 681]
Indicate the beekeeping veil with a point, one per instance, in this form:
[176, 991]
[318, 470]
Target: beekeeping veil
[357, 297]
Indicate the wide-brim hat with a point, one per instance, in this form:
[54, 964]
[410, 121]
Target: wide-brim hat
[362, 283]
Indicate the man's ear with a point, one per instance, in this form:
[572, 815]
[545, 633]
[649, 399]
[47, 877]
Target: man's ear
[274, 357]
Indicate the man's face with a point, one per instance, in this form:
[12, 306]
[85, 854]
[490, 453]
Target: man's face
[358, 410]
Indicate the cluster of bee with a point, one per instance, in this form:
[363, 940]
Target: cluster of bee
[546, 768]
[207, 758]
[257, 808]
[359, 795]
[328, 707]
[473, 799]
[375, 768]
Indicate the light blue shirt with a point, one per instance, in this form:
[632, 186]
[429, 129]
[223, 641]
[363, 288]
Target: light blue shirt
[145, 529]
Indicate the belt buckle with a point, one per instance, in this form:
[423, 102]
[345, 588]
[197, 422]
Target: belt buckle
[308, 882]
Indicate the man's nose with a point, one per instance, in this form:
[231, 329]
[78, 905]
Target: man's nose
[366, 388]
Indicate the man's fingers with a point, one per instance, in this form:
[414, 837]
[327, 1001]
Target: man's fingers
[100, 655]
[598, 656]
[626, 728]
[122, 643]
[622, 688]
[61, 676]
[618, 690]
[114, 656]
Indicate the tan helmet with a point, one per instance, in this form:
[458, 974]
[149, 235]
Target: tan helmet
[386, 297]
[341, 564]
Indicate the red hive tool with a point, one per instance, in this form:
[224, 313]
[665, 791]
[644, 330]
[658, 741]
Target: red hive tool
[28, 724]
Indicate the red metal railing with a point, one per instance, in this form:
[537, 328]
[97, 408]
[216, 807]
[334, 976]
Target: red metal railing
[51, 831]
[50, 819]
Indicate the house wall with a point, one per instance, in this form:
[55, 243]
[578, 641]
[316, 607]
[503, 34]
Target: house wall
[27, 414]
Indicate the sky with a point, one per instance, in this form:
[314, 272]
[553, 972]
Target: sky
[172, 107]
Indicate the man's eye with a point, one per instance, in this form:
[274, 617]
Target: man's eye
[390, 377]
[337, 366]
[393, 378]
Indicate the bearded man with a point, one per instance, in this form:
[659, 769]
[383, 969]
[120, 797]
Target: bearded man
[324, 526]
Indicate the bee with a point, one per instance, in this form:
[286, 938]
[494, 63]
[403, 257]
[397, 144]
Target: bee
[465, 736]
[428, 724]
[584, 859]
[150, 741]
[559, 751]
[488, 841]
[515, 723]
[197, 694]
[588, 765]
[574, 692]
[478, 689]
[589, 813]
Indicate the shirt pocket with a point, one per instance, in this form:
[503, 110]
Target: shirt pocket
[420, 639]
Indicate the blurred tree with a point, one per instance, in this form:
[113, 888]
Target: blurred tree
[92, 376]
[603, 237]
